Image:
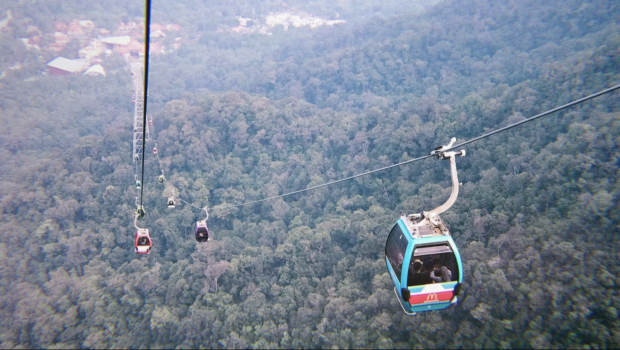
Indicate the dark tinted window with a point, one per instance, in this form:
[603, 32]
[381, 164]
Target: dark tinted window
[395, 249]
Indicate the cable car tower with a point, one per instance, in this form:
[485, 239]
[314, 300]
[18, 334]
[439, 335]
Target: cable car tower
[137, 69]
[140, 96]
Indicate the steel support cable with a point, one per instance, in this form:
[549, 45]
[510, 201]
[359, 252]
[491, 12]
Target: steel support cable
[190, 204]
[315, 187]
[568, 105]
[161, 168]
[556, 109]
[147, 35]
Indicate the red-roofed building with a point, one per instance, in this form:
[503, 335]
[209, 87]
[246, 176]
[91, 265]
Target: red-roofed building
[177, 43]
[94, 49]
[134, 49]
[122, 28]
[61, 38]
[157, 49]
[157, 31]
[60, 42]
[60, 27]
[75, 29]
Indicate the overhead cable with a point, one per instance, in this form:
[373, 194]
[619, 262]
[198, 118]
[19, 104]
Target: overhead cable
[568, 105]
[556, 109]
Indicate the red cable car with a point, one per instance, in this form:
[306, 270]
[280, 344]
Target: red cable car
[154, 150]
[143, 242]
[151, 122]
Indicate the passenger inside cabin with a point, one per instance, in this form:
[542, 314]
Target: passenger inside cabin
[413, 276]
[418, 274]
[143, 241]
[436, 273]
[441, 274]
[427, 269]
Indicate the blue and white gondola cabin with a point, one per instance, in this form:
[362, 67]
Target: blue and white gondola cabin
[422, 259]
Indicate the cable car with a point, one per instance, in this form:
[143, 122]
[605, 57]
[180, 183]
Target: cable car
[151, 122]
[143, 242]
[171, 202]
[201, 231]
[154, 150]
[422, 259]
[161, 179]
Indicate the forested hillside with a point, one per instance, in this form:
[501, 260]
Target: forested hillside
[244, 117]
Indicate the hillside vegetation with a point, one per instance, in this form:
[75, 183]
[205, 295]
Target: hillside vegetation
[240, 118]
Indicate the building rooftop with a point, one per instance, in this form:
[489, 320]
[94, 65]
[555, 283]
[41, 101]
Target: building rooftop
[96, 69]
[117, 40]
[72, 66]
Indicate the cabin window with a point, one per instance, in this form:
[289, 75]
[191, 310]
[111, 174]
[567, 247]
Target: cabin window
[395, 249]
[441, 255]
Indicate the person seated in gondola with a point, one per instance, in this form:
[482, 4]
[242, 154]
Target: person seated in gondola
[418, 276]
[143, 243]
[202, 236]
[441, 274]
[422, 273]
[413, 276]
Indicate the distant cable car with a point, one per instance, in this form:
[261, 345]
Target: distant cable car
[161, 179]
[143, 242]
[422, 259]
[171, 203]
[201, 231]
[151, 122]
[154, 150]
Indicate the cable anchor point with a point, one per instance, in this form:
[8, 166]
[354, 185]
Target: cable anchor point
[441, 152]
[140, 212]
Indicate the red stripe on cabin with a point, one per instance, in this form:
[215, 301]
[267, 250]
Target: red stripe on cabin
[430, 297]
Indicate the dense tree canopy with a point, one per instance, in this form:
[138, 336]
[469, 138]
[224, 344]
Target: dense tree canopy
[240, 118]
